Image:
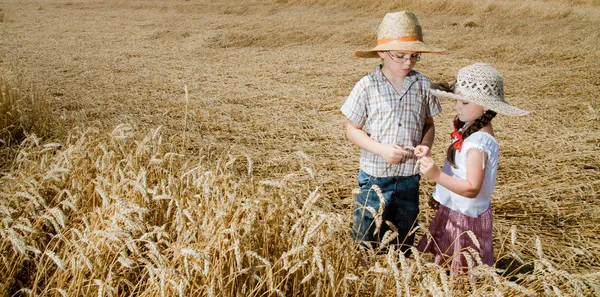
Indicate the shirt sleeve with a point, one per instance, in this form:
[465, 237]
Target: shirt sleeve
[355, 107]
[478, 141]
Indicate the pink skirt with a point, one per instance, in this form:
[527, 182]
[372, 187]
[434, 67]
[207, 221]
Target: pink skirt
[451, 244]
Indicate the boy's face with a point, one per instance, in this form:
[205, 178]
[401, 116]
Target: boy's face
[399, 62]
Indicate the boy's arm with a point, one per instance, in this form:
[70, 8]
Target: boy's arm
[424, 147]
[428, 132]
[391, 153]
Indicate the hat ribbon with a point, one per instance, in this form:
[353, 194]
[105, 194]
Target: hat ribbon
[401, 39]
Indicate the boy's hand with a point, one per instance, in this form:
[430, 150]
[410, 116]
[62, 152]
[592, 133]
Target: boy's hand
[428, 168]
[422, 151]
[394, 154]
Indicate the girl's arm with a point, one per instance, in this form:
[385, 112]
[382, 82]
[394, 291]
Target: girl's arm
[391, 153]
[468, 187]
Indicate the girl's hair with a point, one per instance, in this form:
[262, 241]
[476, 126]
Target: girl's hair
[477, 124]
[443, 86]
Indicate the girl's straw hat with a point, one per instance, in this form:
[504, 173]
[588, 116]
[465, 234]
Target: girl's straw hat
[399, 31]
[483, 85]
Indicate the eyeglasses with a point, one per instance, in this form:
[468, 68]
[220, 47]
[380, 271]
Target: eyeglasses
[412, 58]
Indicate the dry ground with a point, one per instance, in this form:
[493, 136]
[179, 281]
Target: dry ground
[266, 80]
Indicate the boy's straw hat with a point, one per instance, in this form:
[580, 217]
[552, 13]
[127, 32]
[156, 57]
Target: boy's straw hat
[483, 85]
[399, 31]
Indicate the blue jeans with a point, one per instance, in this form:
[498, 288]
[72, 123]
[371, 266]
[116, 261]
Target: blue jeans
[401, 197]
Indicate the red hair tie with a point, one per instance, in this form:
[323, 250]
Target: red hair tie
[457, 137]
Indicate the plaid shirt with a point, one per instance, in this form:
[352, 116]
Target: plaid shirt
[390, 117]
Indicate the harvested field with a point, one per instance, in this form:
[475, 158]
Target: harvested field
[196, 148]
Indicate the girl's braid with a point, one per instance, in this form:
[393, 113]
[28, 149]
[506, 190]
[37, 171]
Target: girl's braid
[477, 124]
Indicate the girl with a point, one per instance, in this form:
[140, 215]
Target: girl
[466, 183]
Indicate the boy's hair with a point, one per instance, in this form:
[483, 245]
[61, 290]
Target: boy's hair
[477, 124]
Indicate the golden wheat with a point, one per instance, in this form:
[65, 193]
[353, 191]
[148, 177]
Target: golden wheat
[248, 196]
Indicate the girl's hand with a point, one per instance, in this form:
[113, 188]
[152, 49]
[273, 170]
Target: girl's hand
[428, 168]
[422, 151]
[434, 204]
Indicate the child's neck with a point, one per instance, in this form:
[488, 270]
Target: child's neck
[487, 128]
[393, 77]
[396, 79]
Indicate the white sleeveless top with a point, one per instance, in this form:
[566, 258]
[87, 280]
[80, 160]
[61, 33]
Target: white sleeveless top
[471, 206]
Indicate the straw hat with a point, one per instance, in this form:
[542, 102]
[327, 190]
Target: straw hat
[483, 85]
[399, 31]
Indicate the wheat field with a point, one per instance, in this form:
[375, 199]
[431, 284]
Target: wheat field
[196, 148]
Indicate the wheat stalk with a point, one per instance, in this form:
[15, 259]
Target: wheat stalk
[185, 88]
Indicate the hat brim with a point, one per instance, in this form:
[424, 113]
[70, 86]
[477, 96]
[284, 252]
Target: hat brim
[489, 103]
[412, 47]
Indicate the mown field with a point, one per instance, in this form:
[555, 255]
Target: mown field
[196, 148]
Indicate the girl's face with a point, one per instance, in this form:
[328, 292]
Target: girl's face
[468, 112]
[399, 62]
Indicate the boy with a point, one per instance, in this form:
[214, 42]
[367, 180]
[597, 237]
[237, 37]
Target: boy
[390, 115]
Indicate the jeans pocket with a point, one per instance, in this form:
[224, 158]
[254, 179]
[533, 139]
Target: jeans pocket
[363, 179]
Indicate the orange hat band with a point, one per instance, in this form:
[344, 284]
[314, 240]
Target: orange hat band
[401, 39]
